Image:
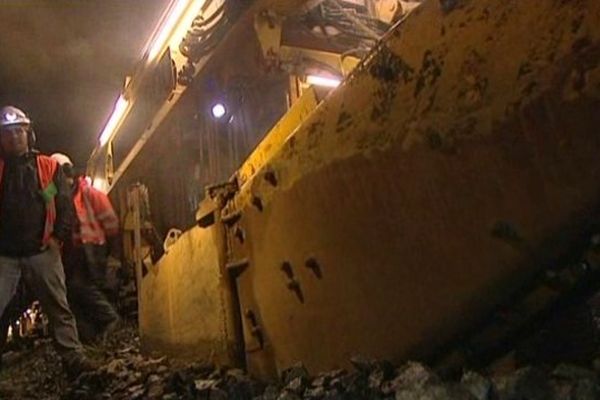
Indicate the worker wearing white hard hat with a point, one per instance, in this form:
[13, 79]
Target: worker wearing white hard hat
[35, 218]
[95, 236]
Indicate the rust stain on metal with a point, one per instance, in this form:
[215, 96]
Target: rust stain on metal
[344, 121]
[430, 71]
[390, 68]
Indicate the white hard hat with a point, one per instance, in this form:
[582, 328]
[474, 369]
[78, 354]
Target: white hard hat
[10, 115]
[61, 158]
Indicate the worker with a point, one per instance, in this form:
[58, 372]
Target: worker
[95, 236]
[36, 217]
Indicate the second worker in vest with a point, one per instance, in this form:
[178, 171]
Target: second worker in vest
[36, 216]
[95, 236]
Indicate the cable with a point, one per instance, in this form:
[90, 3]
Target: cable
[367, 30]
[199, 41]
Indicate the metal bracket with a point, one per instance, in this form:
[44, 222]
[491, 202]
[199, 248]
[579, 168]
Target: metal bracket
[237, 267]
[225, 190]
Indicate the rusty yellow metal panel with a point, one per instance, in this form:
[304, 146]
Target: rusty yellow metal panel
[456, 162]
[273, 141]
[185, 308]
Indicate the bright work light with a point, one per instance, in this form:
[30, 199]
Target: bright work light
[219, 111]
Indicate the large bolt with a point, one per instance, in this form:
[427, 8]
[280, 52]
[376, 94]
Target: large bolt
[314, 266]
[292, 283]
[239, 234]
[254, 327]
[271, 178]
[286, 267]
[231, 218]
[257, 202]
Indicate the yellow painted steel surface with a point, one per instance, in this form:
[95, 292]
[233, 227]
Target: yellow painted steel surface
[185, 309]
[450, 167]
[278, 135]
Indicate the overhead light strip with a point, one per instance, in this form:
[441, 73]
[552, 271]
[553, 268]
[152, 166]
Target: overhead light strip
[180, 16]
[117, 116]
[322, 81]
[185, 22]
[173, 26]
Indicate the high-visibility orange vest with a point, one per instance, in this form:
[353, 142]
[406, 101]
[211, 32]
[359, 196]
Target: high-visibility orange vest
[95, 214]
[46, 168]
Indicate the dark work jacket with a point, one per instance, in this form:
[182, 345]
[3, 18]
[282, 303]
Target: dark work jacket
[23, 210]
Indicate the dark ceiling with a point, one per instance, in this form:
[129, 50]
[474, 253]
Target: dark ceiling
[64, 62]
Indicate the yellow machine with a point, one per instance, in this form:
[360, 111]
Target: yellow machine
[393, 216]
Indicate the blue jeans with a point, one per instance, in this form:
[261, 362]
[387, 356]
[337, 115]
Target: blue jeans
[44, 275]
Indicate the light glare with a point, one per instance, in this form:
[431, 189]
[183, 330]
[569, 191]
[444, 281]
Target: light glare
[100, 184]
[185, 22]
[322, 81]
[167, 28]
[218, 110]
[115, 119]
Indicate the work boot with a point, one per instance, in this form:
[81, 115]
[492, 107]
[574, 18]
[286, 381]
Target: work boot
[86, 330]
[111, 328]
[76, 363]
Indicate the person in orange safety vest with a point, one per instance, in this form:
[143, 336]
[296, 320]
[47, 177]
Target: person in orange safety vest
[35, 218]
[95, 236]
